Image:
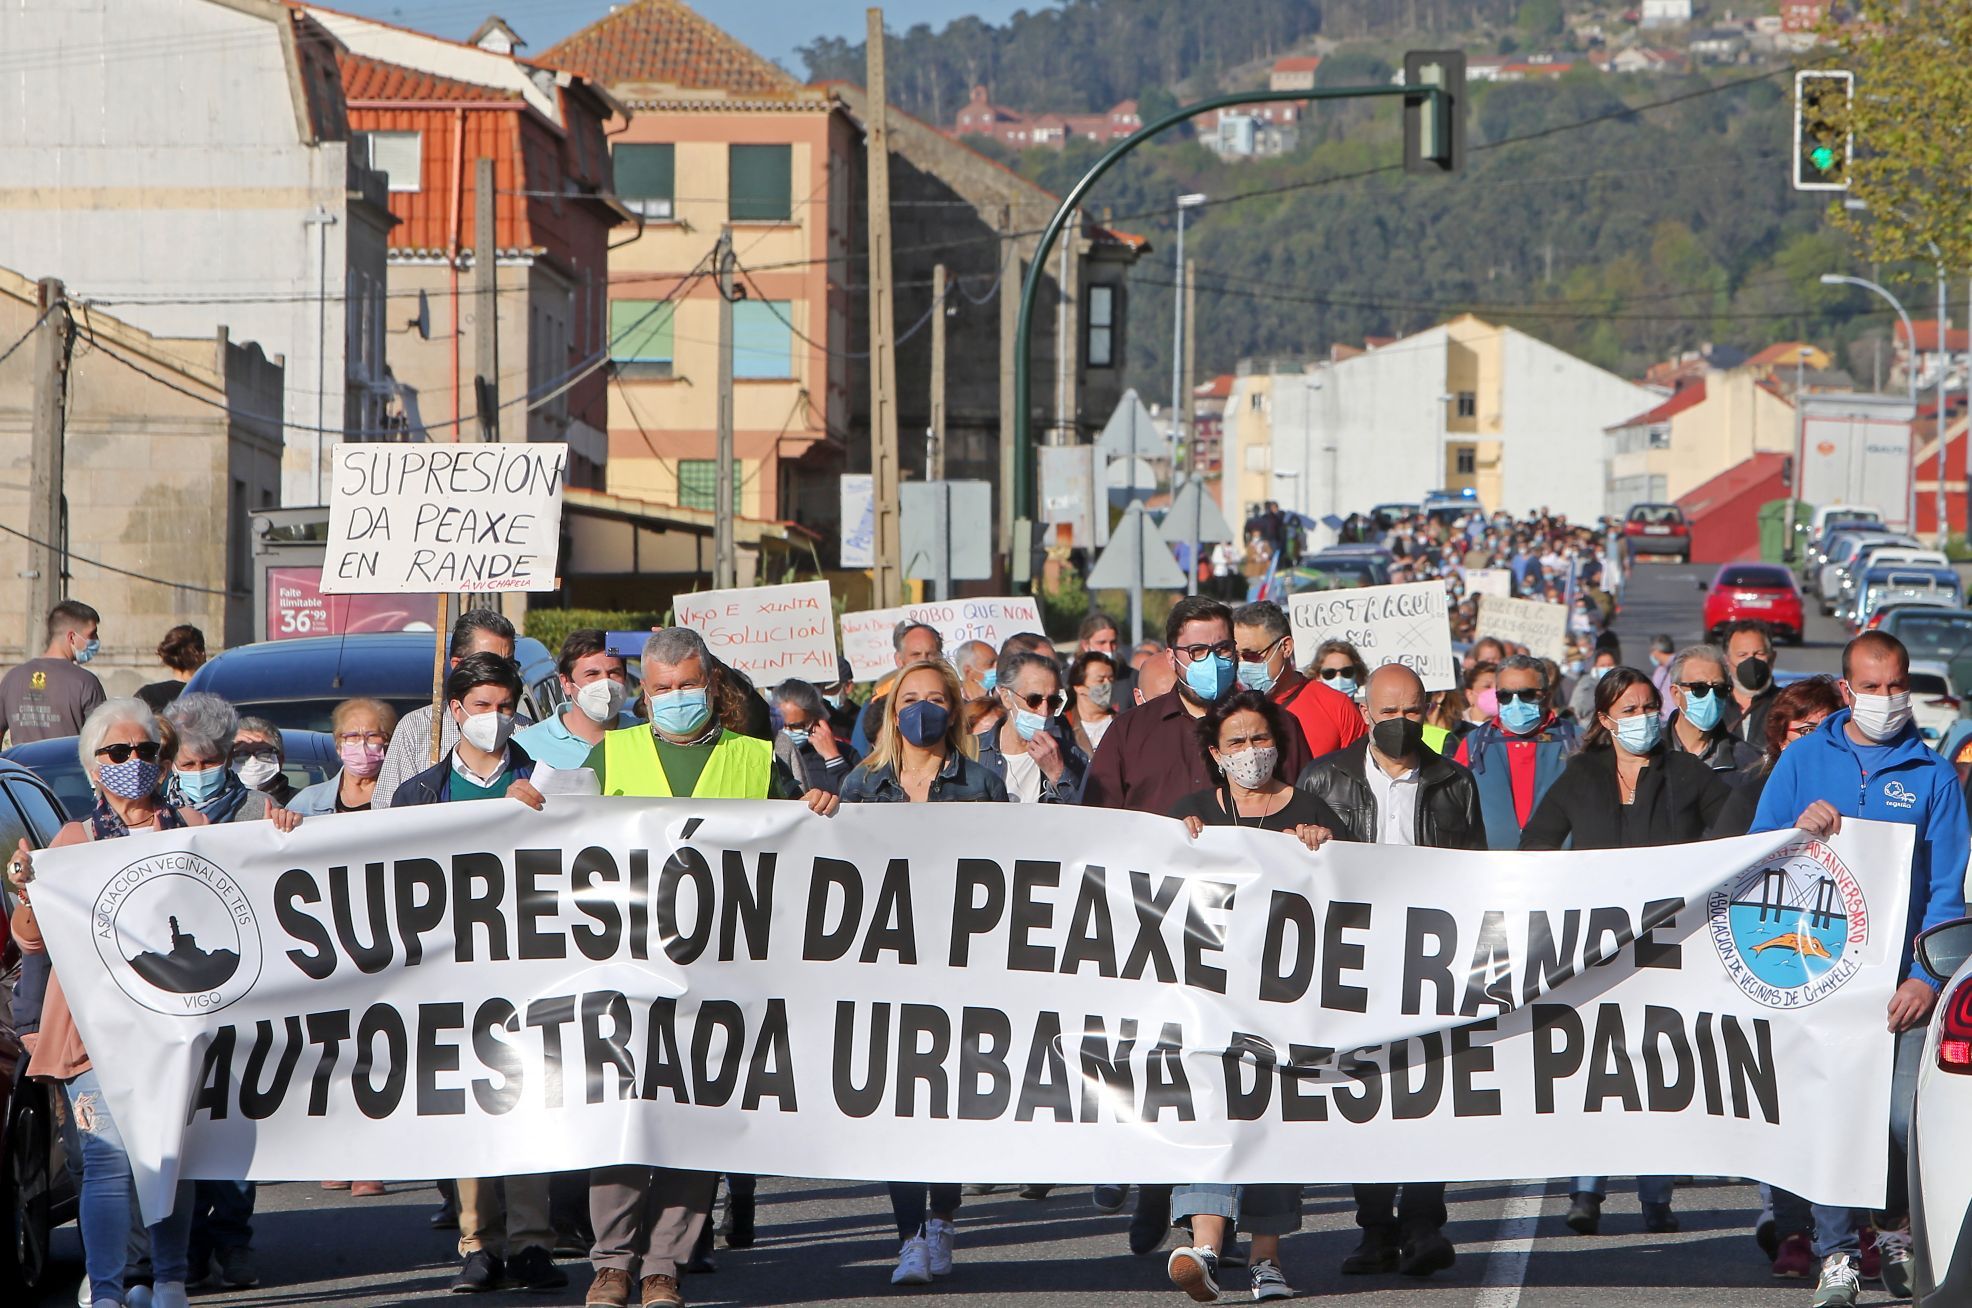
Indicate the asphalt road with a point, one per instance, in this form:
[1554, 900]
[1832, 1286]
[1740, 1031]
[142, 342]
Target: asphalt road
[825, 1242]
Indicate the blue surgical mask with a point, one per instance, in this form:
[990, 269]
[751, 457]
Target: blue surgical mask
[797, 736]
[1520, 717]
[1028, 725]
[1343, 685]
[88, 651]
[835, 701]
[990, 682]
[1703, 711]
[1210, 678]
[1254, 676]
[680, 712]
[198, 787]
[1639, 734]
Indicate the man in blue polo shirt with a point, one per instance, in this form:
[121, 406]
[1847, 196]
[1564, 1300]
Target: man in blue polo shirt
[597, 688]
[1869, 761]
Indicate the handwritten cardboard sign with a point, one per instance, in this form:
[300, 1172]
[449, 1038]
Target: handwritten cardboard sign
[422, 519]
[771, 633]
[1489, 581]
[1407, 624]
[867, 637]
[1542, 628]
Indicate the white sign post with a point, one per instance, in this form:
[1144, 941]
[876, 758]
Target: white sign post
[1542, 628]
[770, 633]
[1408, 624]
[430, 519]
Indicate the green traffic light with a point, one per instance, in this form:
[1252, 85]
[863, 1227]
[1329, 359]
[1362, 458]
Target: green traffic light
[1822, 157]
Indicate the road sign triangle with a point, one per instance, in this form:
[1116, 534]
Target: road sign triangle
[1131, 433]
[1193, 508]
[1137, 557]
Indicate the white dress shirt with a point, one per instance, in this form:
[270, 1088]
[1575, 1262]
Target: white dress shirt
[1396, 802]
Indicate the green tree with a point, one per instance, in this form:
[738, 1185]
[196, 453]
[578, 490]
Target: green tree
[1540, 19]
[1911, 121]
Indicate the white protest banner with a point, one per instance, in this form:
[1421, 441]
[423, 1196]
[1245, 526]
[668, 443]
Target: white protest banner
[858, 544]
[867, 644]
[420, 519]
[867, 635]
[938, 993]
[770, 633]
[1408, 623]
[1542, 628]
[1489, 581]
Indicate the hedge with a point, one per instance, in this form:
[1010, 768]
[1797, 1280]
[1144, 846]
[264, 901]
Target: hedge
[551, 626]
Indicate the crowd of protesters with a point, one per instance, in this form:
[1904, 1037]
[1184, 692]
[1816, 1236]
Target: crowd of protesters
[1222, 721]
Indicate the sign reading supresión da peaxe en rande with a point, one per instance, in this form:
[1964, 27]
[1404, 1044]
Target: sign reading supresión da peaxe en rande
[940, 994]
[422, 519]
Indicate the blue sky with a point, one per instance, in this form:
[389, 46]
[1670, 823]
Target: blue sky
[775, 28]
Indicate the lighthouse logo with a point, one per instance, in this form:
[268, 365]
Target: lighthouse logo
[1790, 930]
[178, 935]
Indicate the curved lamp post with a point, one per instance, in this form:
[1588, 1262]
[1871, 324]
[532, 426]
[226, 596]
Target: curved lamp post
[1910, 381]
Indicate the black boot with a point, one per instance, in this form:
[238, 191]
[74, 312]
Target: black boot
[1584, 1213]
[739, 1221]
[1152, 1221]
[1426, 1250]
[1375, 1253]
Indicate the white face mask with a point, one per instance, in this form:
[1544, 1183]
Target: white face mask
[1881, 717]
[602, 701]
[487, 731]
[1250, 768]
[256, 772]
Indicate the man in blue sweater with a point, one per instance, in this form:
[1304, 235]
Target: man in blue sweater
[1869, 761]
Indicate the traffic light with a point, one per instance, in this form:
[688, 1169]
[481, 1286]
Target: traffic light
[1434, 126]
[1823, 143]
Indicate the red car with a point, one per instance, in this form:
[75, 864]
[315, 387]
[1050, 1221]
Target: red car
[1764, 592]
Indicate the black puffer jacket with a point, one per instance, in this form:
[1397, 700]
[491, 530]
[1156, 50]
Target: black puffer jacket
[1447, 799]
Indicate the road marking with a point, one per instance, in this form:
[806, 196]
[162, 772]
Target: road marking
[1513, 1245]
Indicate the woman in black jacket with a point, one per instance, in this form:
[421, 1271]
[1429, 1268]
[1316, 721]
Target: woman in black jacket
[1625, 790]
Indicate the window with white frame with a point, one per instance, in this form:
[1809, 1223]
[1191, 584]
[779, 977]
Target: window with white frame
[1102, 326]
[397, 155]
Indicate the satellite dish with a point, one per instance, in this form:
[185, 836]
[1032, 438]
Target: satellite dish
[423, 321]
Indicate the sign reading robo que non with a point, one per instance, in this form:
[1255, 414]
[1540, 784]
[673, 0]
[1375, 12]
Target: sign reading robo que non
[942, 995]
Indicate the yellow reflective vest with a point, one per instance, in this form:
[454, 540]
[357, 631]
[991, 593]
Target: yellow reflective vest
[740, 767]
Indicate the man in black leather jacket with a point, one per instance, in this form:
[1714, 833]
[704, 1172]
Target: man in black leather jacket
[1389, 788]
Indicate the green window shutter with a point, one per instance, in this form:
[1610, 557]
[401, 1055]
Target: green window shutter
[644, 176]
[761, 183]
[763, 342]
[698, 484]
[640, 331]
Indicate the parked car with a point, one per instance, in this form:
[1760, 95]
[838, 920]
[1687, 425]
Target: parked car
[1656, 530]
[1927, 630]
[1841, 561]
[1340, 569]
[1902, 584]
[1941, 1125]
[1934, 700]
[37, 1192]
[298, 683]
[1386, 516]
[1824, 542]
[1762, 591]
[310, 756]
[1448, 507]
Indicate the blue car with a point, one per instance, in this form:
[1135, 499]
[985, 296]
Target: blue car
[310, 756]
[296, 684]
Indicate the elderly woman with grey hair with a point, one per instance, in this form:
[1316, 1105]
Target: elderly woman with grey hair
[120, 747]
[806, 743]
[202, 775]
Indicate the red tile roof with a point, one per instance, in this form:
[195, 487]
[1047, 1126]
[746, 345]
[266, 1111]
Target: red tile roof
[364, 79]
[1216, 389]
[1780, 352]
[664, 41]
[1689, 397]
[1927, 336]
[1298, 64]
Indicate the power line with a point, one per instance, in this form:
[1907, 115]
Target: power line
[28, 335]
[110, 567]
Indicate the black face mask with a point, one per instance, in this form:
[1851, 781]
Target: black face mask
[1397, 737]
[1754, 674]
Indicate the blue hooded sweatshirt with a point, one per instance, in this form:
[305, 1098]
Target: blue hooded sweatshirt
[1912, 784]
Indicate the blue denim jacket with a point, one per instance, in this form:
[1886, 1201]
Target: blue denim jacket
[961, 780]
[1075, 764]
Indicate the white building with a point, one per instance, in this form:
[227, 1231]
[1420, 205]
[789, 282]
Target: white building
[1464, 405]
[1665, 13]
[187, 162]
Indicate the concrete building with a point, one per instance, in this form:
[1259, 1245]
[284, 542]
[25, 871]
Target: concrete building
[719, 137]
[1246, 437]
[1466, 405]
[424, 112]
[186, 163]
[1665, 13]
[1708, 427]
[158, 483]
[1018, 130]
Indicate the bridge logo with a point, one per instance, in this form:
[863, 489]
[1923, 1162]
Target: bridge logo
[1790, 930]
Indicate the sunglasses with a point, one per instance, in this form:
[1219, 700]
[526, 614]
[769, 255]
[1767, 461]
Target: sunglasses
[1524, 696]
[1054, 703]
[1330, 674]
[1703, 688]
[1260, 655]
[146, 750]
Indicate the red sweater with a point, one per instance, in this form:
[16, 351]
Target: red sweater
[1329, 719]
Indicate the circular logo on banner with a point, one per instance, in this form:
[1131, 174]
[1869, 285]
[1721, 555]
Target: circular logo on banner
[178, 935]
[1789, 930]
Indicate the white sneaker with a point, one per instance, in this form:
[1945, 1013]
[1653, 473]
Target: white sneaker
[82, 1299]
[137, 1296]
[1269, 1282]
[170, 1294]
[913, 1263]
[938, 1237]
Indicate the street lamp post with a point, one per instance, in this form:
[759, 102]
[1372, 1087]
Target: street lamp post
[1178, 337]
[1910, 378]
[1800, 455]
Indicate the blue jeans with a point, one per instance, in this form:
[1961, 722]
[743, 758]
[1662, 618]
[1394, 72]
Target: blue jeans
[1260, 1209]
[1837, 1229]
[908, 1203]
[107, 1202]
[1649, 1189]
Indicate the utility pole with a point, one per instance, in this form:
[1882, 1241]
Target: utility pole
[934, 464]
[486, 300]
[1178, 333]
[1944, 366]
[44, 506]
[1189, 402]
[883, 340]
[725, 564]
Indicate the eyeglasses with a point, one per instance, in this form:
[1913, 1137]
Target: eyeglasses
[1524, 696]
[147, 750]
[1800, 729]
[1703, 688]
[255, 751]
[1193, 653]
[1055, 703]
[1330, 674]
[361, 738]
[1259, 655]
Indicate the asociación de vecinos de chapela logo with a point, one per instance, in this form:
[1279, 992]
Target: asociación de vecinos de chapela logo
[178, 934]
[1790, 930]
